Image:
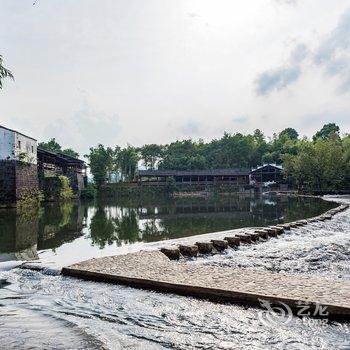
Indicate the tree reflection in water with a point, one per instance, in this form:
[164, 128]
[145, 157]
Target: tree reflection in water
[147, 219]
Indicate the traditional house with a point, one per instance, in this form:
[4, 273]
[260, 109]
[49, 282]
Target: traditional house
[23, 166]
[56, 164]
[18, 166]
[231, 176]
[267, 173]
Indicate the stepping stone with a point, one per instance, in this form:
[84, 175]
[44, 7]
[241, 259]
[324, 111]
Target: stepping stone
[279, 230]
[189, 250]
[298, 224]
[219, 244]
[233, 241]
[262, 234]
[205, 247]
[325, 217]
[254, 236]
[303, 222]
[271, 232]
[245, 238]
[284, 226]
[171, 253]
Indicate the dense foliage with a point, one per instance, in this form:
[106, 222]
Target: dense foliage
[53, 146]
[318, 164]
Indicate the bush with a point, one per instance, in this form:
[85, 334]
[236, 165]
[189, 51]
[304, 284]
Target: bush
[88, 193]
[57, 188]
[66, 191]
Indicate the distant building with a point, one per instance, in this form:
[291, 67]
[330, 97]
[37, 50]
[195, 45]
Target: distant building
[267, 173]
[18, 166]
[23, 167]
[55, 164]
[17, 146]
[233, 176]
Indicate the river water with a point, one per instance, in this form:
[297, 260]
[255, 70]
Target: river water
[43, 310]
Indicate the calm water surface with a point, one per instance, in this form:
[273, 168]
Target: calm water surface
[42, 310]
[70, 232]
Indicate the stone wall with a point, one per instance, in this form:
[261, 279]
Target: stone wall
[7, 182]
[17, 180]
[27, 182]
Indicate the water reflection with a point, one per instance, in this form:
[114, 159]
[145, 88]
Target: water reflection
[103, 224]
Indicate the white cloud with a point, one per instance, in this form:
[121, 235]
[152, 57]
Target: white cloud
[153, 71]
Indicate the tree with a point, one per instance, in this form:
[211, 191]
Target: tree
[4, 72]
[290, 133]
[150, 154]
[52, 146]
[101, 160]
[327, 131]
[55, 147]
[319, 165]
[127, 160]
[70, 152]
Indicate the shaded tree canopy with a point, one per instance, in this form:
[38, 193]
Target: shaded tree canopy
[102, 162]
[327, 131]
[53, 146]
[150, 154]
[290, 133]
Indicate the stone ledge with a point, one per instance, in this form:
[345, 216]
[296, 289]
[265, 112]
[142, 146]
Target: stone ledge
[153, 270]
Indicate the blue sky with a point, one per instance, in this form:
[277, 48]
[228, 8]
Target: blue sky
[145, 71]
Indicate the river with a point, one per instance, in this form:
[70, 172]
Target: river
[41, 309]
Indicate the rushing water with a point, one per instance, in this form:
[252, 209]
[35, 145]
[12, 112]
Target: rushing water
[40, 309]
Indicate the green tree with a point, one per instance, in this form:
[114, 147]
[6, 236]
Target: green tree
[150, 154]
[319, 165]
[327, 131]
[290, 133]
[4, 72]
[70, 152]
[52, 146]
[101, 161]
[127, 160]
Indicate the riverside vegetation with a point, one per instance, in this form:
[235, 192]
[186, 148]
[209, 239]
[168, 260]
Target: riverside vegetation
[318, 164]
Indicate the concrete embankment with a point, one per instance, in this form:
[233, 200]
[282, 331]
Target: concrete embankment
[154, 270]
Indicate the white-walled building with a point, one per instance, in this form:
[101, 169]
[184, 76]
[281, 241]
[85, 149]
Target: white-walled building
[17, 146]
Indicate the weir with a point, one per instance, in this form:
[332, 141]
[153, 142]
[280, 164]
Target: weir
[154, 270]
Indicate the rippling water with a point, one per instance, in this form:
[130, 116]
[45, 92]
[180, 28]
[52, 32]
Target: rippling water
[39, 308]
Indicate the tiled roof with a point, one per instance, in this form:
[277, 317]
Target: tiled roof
[209, 172]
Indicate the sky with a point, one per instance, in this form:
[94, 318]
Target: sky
[123, 72]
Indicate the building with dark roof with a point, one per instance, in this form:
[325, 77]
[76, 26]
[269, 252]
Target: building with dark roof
[55, 164]
[24, 166]
[267, 173]
[234, 176]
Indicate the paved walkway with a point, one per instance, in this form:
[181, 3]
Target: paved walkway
[153, 270]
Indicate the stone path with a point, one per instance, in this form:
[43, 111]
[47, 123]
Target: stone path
[153, 270]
